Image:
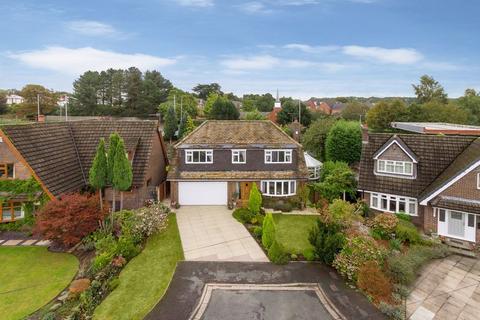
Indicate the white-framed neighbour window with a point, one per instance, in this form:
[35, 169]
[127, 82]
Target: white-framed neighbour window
[314, 173]
[395, 167]
[198, 156]
[11, 211]
[239, 156]
[478, 180]
[278, 156]
[392, 203]
[279, 188]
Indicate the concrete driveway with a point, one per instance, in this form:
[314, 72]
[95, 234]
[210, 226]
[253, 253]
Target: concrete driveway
[210, 233]
[448, 289]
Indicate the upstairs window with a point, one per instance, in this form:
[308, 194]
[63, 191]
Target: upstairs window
[199, 156]
[7, 171]
[239, 156]
[395, 167]
[278, 156]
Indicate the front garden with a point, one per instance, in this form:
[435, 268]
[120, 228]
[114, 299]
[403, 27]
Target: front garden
[380, 254]
[31, 277]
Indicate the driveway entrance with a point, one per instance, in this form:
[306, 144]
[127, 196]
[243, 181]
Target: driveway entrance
[210, 233]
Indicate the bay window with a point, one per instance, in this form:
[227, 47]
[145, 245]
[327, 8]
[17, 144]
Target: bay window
[278, 188]
[395, 167]
[394, 204]
[278, 156]
[198, 156]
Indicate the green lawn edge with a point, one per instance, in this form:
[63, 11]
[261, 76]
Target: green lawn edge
[31, 277]
[292, 231]
[146, 278]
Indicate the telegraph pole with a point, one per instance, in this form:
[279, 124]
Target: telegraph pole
[38, 106]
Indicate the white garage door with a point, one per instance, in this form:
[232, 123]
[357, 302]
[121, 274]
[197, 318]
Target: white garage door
[202, 193]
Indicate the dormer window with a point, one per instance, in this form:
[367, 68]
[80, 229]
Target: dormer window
[198, 156]
[395, 167]
[239, 156]
[278, 156]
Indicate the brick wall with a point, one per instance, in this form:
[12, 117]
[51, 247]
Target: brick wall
[6, 156]
[466, 187]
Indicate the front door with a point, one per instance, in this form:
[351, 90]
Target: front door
[245, 188]
[456, 224]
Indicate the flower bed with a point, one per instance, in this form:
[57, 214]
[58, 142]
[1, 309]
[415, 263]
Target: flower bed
[113, 246]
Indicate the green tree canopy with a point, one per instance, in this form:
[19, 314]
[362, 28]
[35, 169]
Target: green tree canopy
[290, 112]
[355, 111]
[223, 109]
[98, 174]
[254, 115]
[470, 102]
[112, 150]
[122, 169]
[429, 90]
[313, 139]
[184, 101]
[435, 111]
[171, 124]
[30, 94]
[383, 113]
[263, 103]
[338, 181]
[344, 142]
[204, 90]
[3, 102]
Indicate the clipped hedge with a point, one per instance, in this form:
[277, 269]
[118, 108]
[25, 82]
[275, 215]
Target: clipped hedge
[243, 215]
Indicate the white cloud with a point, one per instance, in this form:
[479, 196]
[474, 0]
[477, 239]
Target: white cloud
[195, 3]
[310, 49]
[254, 7]
[395, 56]
[263, 62]
[77, 61]
[92, 28]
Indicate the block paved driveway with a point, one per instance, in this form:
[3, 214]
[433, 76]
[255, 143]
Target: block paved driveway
[210, 233]
[447, 289]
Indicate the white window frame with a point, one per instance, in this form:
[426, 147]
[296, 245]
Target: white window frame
[236, 154]
[265, 187]
[478, 180]
[189, 156]
[383, 164]
[378, 197]
[287, 155]
[314, 173]
[442, 226]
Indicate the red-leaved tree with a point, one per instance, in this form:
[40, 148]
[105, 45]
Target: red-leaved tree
[67, 220]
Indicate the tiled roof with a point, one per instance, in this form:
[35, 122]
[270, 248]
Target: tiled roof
[435, 154]
[61, 153]
[453, 203]
[237, 132]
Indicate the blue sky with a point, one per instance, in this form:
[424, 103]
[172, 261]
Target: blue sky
[302, 47]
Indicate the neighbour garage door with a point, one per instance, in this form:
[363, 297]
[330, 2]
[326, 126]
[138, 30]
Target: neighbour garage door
[202, 193]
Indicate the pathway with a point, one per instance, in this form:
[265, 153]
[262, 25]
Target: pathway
[24, 242]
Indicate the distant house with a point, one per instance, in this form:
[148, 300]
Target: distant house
[14, 99]
[59, 157]
[218, 163]
[315, 105]
[63, 100]
[434, 179]
[338, 107]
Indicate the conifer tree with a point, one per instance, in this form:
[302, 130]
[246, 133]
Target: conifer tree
[122, 171]
[171, 124]
[112, 149]
[97, 175]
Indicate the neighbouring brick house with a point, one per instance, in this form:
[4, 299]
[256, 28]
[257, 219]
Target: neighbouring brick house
[434, 179]
[219, 161]
[59, 156]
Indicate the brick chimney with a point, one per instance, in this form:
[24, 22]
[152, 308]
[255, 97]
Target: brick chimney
[41, 118]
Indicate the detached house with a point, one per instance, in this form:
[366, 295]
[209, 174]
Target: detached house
[434, 179]
[219, 161]
[59, 157]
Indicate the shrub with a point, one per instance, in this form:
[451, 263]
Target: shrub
[255, 200]
[393, 312]
[243, 215]
[407, 232]
[343, 212]
[403, 216]
[258, 219]
[67, 220]
[268, 234]
[101, 261]
[395, 244]
[277, 254]
[151, 219]
[309, 254]
[127, 248]
[106, 244]
[344, 142]
[257, 231]
[384, 225]
[327, 240]
[403, 268]
[374, 282]
[356, 251]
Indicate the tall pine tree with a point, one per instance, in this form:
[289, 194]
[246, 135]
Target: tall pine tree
[97, 176]
[122, 171]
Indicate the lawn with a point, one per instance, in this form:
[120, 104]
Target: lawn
[146, 278]
[292, 231]
[30, 277]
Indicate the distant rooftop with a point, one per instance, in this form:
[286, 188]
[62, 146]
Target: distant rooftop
[437, 128]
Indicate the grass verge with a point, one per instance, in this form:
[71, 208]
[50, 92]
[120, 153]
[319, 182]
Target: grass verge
[30, 277]
[145, 279]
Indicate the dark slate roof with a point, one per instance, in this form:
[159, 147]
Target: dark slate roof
[454, 203]
[61, 153]
[468, 157]
[435, 154]
[238, 133]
